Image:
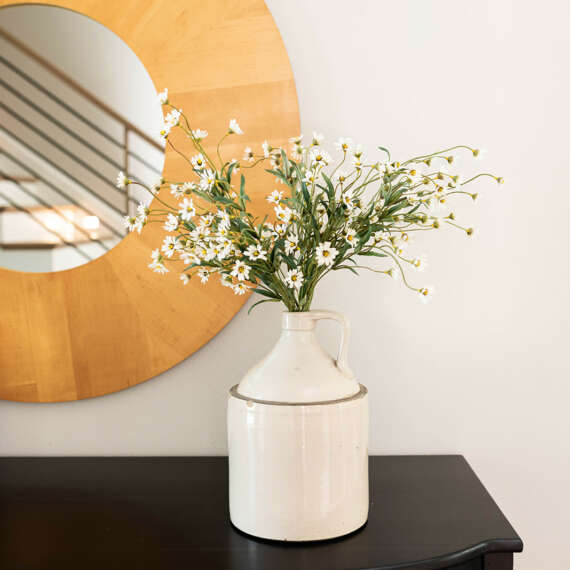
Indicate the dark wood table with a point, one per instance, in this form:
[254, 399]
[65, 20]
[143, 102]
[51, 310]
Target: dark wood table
[171, 513]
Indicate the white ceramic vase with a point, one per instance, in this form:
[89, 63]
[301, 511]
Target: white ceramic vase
[298, 439]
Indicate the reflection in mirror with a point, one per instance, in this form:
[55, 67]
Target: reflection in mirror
[74, 110]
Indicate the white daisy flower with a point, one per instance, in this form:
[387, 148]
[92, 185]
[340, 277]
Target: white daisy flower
[294, 279]
[426, 293]
[267, 148]
[357, 162]
[234, 128]
[326, 254]
[122, 180]
[344, 145]
[156, 265]
[198, 162]
[206, 220]
[283, 214]
[156, 185]
[310, 178]
[224, 249]
[357, 151]
[201, 251]
[186, 209]
[346, 199]
[281, 229]
[207, 179]
[211, 253]
[170, 245]
[479, 152]
[255, 252]
[248, 154]
[379, 236]
[188, 257]
[297, 151]
[291, 245]
[131, 222]
[240, 288]
[203, 274]
[201, 233]
[276, 161]
[158, 268]
[319, 157]
[317, 139]
[165, 130]
[184, 278]
[199, 134]
[176, 190]
[275, 197]
[163, 97]
[173, 118]
[224, 220]
[189, 187]
[226, 280]
[171, 224]
[420, 263]
[350, 236]
[268, 230]
[296, 140]
[142, 212]
[241, 270]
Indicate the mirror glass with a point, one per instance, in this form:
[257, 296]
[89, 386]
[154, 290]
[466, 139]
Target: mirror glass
[76, 107]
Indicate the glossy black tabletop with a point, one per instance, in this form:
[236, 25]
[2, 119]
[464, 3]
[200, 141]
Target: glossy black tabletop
[171, 513]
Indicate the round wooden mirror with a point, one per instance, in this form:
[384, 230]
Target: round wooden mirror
[111, 323]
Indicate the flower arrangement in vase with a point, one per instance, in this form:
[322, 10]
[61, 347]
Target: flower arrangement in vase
[353, 213]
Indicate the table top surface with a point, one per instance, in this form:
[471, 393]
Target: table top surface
[172, 512]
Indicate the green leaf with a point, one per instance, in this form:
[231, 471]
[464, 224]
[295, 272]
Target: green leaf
[330, 187]
[262, 301]
[266, 293]
[279, 174]
[347, 267]
[386, 151]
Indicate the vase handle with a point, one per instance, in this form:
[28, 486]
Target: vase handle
[342, 358]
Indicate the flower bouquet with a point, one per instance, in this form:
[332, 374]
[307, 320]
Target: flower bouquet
[328, 215]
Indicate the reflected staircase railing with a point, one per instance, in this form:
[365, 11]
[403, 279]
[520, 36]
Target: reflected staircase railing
[32, 174]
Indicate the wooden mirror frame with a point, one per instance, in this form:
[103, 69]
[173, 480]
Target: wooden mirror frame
[112, 323]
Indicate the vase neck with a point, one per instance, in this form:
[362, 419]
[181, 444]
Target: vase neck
[302, 321]
[298, 369]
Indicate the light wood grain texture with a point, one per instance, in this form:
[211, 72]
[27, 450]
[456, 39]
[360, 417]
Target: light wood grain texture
[112, 323]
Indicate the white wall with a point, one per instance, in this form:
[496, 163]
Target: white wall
[483, 370]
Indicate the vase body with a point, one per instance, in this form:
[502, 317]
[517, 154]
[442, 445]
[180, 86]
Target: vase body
[298, 440]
